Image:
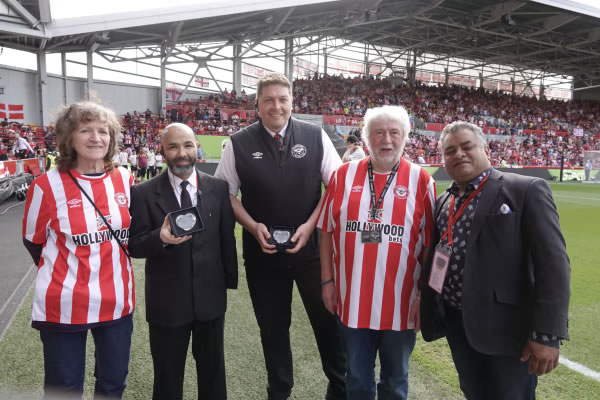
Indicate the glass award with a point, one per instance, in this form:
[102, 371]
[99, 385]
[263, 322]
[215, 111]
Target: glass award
[185, 222]
[281, 237]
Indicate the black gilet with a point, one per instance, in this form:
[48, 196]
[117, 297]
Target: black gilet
[279, 187]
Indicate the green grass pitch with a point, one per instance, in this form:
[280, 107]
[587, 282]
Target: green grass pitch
[432, 375]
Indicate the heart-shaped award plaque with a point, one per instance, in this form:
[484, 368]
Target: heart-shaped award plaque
[186, 221]
[281, 236]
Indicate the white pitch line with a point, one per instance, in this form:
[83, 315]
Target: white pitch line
[577, 197]
[582, 369]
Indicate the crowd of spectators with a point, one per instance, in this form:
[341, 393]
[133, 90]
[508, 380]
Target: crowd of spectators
[443, 104]
[39, 140]
[222, 114]
[226, 113]
[534, 151]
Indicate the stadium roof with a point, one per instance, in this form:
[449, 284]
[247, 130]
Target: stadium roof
[554, 36]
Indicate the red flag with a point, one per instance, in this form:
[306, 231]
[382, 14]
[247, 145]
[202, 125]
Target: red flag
[16, 116]
[15, 107]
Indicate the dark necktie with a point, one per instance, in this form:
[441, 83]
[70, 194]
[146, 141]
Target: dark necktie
[279, 140]
[186, 200]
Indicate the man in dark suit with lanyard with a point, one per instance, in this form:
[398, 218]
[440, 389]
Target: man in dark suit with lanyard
[279, 164]
[187, 276]
[497, 282]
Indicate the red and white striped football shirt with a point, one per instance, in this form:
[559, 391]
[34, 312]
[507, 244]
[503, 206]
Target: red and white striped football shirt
[378, 282]
[83, 275]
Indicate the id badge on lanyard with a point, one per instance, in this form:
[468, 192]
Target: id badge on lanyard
[439, 267]
[373, 236]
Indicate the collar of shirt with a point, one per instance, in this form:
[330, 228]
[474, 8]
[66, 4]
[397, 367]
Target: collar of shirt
[473, 185]
[176, 183]
[281, 132]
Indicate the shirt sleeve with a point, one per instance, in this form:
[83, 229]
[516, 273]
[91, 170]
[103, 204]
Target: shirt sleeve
[331, 159]
[226, 170]
[358, 154]
[548, 340]
[325, 219]
[430, 196]
[28, 145]
[428, 225]
[36, 216]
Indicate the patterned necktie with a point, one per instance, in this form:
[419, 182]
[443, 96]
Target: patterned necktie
[186, 200]
[279, 140]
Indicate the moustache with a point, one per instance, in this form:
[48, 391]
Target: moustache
[180, 159]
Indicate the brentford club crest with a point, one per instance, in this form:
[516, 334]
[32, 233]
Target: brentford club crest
[298, 151]
[401, 192]
[121, 199]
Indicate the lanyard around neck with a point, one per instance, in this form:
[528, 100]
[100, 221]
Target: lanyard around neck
[375, 203]
[453, 218]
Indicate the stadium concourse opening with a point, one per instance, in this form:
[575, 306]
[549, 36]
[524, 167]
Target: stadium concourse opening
[524, 71]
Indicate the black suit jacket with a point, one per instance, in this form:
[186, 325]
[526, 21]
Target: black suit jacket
[517, 272]
[184, 282]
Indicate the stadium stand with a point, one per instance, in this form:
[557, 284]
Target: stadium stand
[533, 132]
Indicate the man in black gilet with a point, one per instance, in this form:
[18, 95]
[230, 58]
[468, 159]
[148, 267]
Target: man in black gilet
[279, 164]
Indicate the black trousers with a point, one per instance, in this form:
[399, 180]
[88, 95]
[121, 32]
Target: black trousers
[271, 293]
[485, 377]
[169, 348]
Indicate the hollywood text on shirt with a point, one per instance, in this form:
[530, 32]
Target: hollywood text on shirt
[392, 231]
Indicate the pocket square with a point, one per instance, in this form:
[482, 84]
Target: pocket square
[504, 209]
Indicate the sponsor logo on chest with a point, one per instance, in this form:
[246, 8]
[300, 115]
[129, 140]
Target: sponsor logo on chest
[394, 233]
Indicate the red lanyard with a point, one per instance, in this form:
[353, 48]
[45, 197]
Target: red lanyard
[453, 218]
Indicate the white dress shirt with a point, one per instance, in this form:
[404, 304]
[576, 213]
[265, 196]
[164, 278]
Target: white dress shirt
[192, 188]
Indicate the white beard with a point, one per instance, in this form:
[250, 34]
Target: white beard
[391, 159]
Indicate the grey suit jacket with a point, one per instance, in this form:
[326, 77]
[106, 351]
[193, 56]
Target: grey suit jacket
[517, 272]
[184, 282]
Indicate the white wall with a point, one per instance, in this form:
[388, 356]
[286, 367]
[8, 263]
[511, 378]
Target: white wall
[20, 87]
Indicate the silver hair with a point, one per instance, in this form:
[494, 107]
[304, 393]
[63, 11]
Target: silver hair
[460, 125]
[386, 113]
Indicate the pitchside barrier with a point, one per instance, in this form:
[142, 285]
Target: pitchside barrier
[34, 166]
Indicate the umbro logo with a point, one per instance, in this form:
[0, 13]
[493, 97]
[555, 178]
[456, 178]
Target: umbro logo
[74, 203]
[257, 155]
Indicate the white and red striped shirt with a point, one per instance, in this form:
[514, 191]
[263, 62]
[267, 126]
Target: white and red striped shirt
[83, 275]
[377, 283]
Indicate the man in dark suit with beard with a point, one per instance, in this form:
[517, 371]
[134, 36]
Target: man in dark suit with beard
[497, 282]
[186, 277]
